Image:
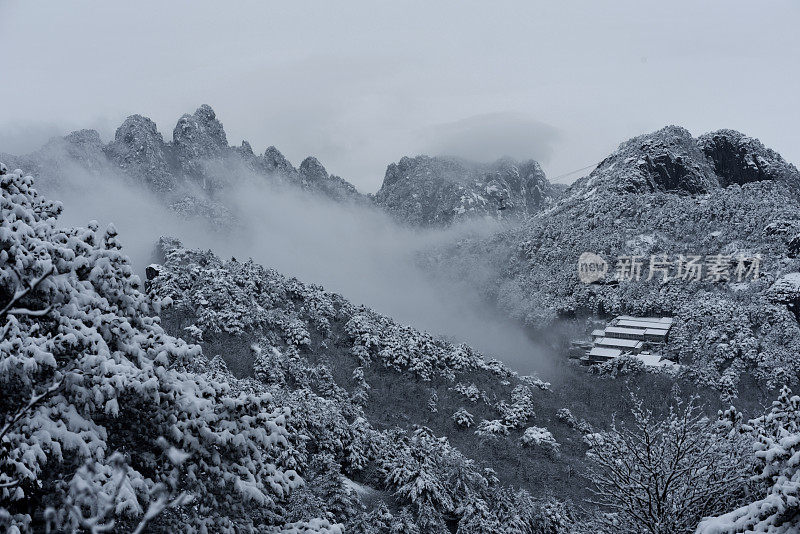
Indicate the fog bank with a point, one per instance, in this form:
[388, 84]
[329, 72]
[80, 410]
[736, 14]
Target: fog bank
[353, 250]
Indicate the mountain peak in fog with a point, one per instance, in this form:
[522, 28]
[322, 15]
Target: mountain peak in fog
[438, 191]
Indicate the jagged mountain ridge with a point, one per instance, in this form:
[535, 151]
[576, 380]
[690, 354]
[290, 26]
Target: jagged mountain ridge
[192, 168]
[197, 160]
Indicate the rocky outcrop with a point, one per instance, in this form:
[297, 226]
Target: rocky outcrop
[198, 138]
[275, 162]
[438, 191]
[83, 147]
[739, 159]
[670, 160]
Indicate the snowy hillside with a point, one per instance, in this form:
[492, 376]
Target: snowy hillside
[112, 421]
[289, 409]
[663, 194]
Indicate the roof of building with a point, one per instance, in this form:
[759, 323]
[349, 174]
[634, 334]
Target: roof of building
[606, 353]
[638, 323]
[654, 360]
[617, 342]
[598, 333]
[668, 320]
[655, 332]
[621, 330]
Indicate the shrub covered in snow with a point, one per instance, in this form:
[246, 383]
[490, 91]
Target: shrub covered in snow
[662, 475]
[492, 428]
[536, 436]
[471, 391]
[463, 418]
[520, 410]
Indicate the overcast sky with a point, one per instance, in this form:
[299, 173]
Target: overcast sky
[361, 84]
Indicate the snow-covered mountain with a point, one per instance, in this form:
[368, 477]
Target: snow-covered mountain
[669, 194]
[290, 410]
[438, 191]
[189, 172]
[670, 160]
[225, 396]
[192, 169]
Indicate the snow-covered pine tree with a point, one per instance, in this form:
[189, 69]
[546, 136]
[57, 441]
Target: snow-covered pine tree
[99, 404]
[777, 454]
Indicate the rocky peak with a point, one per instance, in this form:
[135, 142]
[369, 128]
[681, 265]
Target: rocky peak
[245, 149]
[274, 161]
[315, 178]
[198, 137]
[203, 125]
[82, 146]
[739, 159]
[671, 160]
[536, 188]
[427, 191]
[139, 149]
[245, 152]
[668, 160]
[138, 130]
[312, 170]
[84, 138]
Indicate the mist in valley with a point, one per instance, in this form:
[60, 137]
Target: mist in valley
[350, 249]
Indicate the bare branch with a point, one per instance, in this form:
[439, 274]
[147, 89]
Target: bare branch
[663, 475]
[20, 294]
[158, 506]
[35, 399]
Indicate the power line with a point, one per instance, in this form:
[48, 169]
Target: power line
[572, 172]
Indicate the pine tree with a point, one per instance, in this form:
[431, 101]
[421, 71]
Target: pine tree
[777, 449]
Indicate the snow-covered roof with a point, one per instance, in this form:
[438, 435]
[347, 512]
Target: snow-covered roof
[639, 323]
[654, 360]
[655, 332]
[617, 342]
[622, 330]
[606, 353]
[668, 320]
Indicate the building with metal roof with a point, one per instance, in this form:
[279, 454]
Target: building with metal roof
[627, 334]
[665, 320]
[633, 345]
[631, 323]
[600, 354]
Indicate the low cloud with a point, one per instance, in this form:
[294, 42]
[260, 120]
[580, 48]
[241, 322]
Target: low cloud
[356, 251]
[490, 136]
